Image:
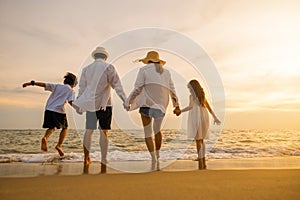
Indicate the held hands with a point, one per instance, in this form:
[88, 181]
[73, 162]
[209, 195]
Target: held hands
[177, 111]
[126, 106]
[78, 110]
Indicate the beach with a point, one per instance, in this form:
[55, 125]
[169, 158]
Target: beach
[264, 178]
[241, 165]
[206, 184]
[215, 81]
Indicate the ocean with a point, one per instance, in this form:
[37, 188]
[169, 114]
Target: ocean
[24, 145]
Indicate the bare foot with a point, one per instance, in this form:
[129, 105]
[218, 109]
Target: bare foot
[86, 168]
[103, 168]
[197, 159]
[44, 144]
[87, 160]
[59, 149]
[105, 162]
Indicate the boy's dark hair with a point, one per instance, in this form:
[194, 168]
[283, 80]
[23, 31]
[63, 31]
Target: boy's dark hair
[70, 79]
[100, 55]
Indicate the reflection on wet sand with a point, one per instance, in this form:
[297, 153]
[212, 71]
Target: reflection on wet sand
[154, 166]
[86, 168]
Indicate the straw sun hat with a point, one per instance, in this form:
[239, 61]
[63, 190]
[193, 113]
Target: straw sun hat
[100, 50]
[152, 56]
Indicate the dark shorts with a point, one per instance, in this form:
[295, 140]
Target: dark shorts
[151, 112]
[55, 120]
[104, 117]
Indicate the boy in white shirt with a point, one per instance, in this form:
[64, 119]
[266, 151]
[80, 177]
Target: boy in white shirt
[55, 113]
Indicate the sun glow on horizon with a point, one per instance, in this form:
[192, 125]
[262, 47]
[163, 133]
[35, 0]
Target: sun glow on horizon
[256, 51]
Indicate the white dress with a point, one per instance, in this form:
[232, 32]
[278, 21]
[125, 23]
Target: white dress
[198, 120]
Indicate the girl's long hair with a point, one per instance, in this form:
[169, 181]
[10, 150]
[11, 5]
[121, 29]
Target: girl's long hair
[198, 91]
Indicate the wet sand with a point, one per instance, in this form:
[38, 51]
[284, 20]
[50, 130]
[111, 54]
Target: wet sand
[66, 168]
[267, 178]
[205, 184]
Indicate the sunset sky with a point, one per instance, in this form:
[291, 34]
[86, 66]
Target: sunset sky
[255, 46]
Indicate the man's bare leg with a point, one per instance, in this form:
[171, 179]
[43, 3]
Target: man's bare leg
[61, 139]
[87, 140]
[104, 145]
[44, 144]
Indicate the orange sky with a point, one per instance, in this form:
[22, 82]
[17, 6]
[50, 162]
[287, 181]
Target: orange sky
[255, 46]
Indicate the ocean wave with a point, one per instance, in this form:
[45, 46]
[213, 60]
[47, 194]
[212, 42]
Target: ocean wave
[24, 145]
[178, 154]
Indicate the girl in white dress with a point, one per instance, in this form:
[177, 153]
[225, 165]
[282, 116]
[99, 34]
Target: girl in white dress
[198, 119]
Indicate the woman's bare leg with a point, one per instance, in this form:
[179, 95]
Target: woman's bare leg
[158, 135]
[148, 136]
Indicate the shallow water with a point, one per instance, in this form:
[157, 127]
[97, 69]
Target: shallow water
[24, 145]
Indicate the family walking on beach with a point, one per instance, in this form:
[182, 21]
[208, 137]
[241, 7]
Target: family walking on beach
[152, 90]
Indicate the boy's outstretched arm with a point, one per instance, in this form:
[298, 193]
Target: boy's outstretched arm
[33, 83]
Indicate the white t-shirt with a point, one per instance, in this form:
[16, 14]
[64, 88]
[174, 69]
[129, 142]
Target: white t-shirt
[61, 94]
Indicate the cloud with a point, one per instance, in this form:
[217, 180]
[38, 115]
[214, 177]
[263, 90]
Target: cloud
[18, 90]
[252, 43]
[264, 92]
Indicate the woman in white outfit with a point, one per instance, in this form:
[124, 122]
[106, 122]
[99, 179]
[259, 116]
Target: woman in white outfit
[151, 93]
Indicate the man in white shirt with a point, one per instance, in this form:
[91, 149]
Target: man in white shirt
[94, 98]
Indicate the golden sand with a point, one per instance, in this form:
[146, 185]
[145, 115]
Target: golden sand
[204, 184]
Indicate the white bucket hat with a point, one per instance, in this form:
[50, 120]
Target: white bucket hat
[100, 50]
